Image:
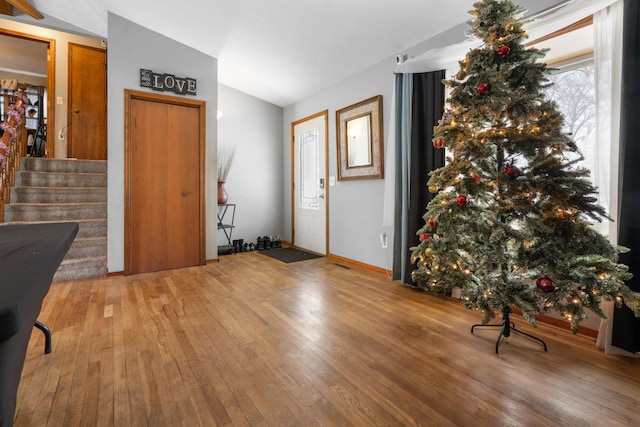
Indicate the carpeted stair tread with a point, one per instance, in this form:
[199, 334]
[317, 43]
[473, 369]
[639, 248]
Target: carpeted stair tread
[83, 268]
[60, 179]
[63, 165]
[34, 194]
[65, 190]
[87, 247]
[95, 227]
[54, 211]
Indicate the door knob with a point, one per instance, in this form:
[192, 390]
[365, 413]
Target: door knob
[184, 193]
[75, 110]
[321, 196]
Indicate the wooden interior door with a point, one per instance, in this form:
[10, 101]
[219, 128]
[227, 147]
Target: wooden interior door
[164, 182]
[87, 100]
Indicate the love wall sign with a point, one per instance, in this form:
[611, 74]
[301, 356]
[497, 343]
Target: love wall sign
[167, 82]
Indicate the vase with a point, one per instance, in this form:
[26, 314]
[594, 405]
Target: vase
[222, 194]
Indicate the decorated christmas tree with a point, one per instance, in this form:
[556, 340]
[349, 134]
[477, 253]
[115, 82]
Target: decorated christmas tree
[511, 223]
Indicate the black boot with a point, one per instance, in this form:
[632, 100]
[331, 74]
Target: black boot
[260, 246]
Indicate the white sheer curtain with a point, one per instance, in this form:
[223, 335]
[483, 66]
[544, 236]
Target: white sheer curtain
[607, 25]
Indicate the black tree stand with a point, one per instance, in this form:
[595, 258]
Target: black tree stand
[507, 326]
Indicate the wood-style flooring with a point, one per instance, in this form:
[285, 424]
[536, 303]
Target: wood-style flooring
[251, 341]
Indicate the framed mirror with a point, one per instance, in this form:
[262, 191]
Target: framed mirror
[360, 144]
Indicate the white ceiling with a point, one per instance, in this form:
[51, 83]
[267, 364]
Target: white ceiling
[280, 51]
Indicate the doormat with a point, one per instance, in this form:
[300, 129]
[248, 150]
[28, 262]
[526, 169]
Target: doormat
[289, 255]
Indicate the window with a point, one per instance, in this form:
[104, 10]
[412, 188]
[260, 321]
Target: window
[571, 56]
[574, 91]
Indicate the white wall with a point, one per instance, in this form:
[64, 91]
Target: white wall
[132, 47]
[254, 128]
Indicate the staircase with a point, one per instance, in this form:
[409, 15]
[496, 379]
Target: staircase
[59, 190]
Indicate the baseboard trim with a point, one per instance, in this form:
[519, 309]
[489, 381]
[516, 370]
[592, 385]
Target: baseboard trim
[370, 267]
[561, 324]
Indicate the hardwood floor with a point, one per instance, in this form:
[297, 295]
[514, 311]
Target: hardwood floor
[251, 341]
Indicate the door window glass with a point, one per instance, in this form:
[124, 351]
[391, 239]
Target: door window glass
[309, 173]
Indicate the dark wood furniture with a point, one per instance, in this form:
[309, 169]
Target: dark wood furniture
[29, 257]
[226, 224]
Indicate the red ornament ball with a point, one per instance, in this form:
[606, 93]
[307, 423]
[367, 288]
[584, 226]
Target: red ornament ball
[433, 222]
[512, 172]
[424, 236]
[484, 88]
[504, 50]
[545, 284]
[462, 201]
[438, 143]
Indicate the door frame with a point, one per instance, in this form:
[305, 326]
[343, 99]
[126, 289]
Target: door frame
[324, 113]
[51, 84]
[129, 96]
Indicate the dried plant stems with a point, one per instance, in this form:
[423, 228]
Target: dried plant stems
[225, 160]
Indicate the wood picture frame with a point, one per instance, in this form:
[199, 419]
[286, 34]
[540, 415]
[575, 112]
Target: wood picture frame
[360, 142]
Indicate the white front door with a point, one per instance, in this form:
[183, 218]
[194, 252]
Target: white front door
[310, 183]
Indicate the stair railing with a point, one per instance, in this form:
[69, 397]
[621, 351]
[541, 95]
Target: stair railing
[12, 143]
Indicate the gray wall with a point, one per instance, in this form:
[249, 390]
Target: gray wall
[254, 128]
[355, 207]
[132, 47]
